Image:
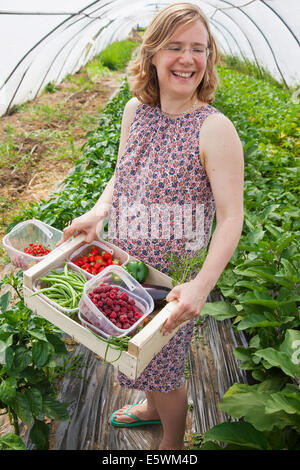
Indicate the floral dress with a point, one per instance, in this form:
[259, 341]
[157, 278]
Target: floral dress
[162, 203]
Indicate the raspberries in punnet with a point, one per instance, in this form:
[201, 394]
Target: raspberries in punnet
[116, 305]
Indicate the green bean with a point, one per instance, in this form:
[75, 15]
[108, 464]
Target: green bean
[64, 288]
[114, 342]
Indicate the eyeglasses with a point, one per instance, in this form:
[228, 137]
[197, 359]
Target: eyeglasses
[177, 51]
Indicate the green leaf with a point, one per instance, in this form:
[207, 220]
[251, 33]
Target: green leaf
[57, 343]
[5, 301]
[259, 298]
[22, 408]
[265, 273]
[54, 409]
[12, 441]
[252, 406]
[242, 434]
[291, 272]
[255, 236]
[279, 359]
[8, 390]
[209, 445]
[39, 434]
[287, 357]
[18, 359]
[39, 334]
[219, 310]
[257, 320]
[35, 400]
[286, 239]
[3, 347]
[281, 401]
[40, 353]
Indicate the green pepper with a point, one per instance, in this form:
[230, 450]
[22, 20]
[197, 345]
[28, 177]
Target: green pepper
[138, 269]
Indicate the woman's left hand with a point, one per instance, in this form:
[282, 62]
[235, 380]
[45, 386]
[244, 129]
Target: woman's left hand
[191, 299]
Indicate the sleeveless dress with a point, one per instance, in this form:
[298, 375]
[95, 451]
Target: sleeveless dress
[160, 169]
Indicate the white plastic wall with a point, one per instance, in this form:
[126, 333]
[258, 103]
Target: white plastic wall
[44, 47]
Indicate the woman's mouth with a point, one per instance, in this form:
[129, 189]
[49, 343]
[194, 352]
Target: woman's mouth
[182, 74]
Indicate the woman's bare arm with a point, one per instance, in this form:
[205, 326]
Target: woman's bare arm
[222, 154]
[91, 222]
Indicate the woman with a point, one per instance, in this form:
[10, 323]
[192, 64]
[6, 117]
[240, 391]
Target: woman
[175, 149]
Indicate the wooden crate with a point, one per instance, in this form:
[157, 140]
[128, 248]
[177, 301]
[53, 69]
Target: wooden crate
[142, 347]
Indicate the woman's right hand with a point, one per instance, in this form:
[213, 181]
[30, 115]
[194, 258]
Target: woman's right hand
[91, 223]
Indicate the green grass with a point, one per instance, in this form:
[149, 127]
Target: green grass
[117, 55]
[46, 113]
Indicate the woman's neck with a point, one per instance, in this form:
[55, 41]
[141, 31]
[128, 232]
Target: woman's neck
[178, 107]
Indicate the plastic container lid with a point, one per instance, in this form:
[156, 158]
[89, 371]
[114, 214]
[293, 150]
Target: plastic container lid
[114, 276]
[30, 231]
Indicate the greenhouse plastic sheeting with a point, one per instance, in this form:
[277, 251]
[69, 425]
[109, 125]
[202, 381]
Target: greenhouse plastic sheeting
[43, 42]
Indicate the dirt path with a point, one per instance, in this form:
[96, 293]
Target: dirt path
[40, 142]
[33, 155]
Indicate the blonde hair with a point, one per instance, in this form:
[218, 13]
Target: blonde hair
[143, 77]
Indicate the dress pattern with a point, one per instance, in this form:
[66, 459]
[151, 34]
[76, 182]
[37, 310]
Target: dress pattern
[160, 169]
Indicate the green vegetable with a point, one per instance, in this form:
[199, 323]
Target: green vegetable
[114, 342]
[65, 288]
[138, 269]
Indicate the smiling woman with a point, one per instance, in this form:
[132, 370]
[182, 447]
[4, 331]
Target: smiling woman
[167, 35]
[180, 69]
[176, 150]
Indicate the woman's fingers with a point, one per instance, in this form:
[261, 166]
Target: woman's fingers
[176, 318]
[68, 232]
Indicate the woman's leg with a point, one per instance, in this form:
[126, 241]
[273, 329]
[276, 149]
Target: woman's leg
[170, 407]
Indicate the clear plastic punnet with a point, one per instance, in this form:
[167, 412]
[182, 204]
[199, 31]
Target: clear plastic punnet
[98, 316]
[116, 252]
[30, 231]
[39, 284]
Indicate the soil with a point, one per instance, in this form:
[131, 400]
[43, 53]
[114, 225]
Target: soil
[30, 175]
[34, 168]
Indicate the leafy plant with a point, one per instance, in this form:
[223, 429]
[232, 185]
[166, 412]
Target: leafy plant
[30, 350]
[261, 283]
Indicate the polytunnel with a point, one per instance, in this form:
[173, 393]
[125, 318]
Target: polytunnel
[242, 366]
[42, 44]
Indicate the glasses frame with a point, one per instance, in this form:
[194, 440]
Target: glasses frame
[181, 50]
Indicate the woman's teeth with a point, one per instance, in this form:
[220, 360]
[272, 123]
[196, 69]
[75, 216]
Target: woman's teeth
[183, 74]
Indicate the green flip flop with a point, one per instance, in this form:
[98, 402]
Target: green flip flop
[139, 422]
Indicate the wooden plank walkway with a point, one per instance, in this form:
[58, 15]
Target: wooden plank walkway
[211, 370]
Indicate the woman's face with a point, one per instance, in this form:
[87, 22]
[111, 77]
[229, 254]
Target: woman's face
[180, 75]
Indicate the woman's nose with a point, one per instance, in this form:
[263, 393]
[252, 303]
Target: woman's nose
[186, 56]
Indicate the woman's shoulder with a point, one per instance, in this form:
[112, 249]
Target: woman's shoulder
[130, 111]
[216, 122]
[131, 106]
[218, 133]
